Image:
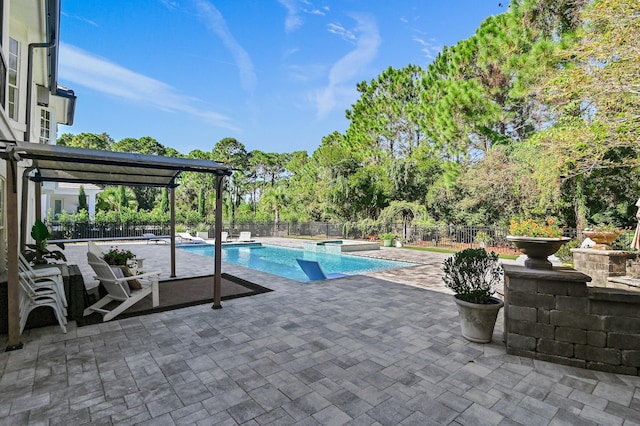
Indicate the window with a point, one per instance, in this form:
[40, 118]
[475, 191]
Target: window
[3, 62]
[13, 79]
[57, 207]
[45, 126]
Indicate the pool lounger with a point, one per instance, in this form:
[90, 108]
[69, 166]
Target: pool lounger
[314, 271]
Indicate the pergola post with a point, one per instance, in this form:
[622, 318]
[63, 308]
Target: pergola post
[38, 195]
[172, 227]
[13, 288]
[217, 249]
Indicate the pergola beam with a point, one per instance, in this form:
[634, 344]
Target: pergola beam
[54, 163]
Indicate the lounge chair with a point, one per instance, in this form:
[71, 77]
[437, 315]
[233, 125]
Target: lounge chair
[245, 237]
[155, 239]
[118, 289]
[224, 237]
[314, 271]
[185, 237]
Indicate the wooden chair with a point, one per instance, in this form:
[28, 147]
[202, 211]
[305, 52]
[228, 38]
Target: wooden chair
[118, 289]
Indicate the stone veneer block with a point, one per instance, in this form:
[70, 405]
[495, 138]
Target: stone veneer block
[631, 358]
[588, 327]
[554, 347]
[523, 313]
[624, 341]
[572, 304]
[597, 338]
[571, 319]
[604, 355]
[601, 264]
[571, 335]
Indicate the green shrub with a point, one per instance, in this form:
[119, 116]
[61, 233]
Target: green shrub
[564, 254]
[472, 274]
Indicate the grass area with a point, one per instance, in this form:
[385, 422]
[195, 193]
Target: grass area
[443, 250]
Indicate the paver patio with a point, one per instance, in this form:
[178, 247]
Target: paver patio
[361, 350]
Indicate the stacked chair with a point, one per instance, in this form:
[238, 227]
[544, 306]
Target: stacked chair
[36, 292]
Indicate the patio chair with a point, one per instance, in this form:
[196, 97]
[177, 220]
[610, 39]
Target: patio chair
[245, 237]
[155, 239]
[118, 289]
[32, 297]
[314, 271]
[186, 237]
[224, 237]
[43, 276]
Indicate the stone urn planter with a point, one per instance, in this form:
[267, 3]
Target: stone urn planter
[473, 275]
[538, 249]
[477, 320]
[603, 239]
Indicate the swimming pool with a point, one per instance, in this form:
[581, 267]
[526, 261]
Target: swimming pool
[282, 260]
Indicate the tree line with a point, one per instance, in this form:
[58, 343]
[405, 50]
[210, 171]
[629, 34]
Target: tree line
[534, 115]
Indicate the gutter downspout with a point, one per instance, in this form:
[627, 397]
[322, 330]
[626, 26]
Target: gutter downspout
[52, 40]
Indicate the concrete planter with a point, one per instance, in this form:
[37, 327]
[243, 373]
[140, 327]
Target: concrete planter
[537, 249]
[477, 320]
[603, 239]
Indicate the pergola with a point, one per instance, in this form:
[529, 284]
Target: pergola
[65, 164]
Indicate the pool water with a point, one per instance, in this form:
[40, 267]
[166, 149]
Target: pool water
[281, 261]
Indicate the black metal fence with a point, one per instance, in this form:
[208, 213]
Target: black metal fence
[446, 236]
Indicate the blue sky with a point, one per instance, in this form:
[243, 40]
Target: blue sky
[277, 75]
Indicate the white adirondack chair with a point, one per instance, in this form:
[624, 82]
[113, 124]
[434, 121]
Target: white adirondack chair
[118, 289]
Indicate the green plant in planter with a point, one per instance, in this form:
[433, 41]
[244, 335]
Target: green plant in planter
[387, 236]
[118, 257]
[473, 275]
[483, 238]
[38, 253]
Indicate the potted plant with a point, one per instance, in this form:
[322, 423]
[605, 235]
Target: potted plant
[537, 240]
[118, 257]
[387, 238]
[38, 253]
[473, 274]
[483, 239]
[603, 235]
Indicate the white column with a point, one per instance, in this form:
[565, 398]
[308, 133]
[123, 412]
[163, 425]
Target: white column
[92, 205]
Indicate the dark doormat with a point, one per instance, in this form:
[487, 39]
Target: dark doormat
[176, 294]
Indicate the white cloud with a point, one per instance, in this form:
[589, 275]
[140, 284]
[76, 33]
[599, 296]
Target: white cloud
[80, 18]
[346, 70]
[293, 20]
[338, 29]
[429, 48]
[295, 8]
[169, 4]
[82, 68]
[216, 22]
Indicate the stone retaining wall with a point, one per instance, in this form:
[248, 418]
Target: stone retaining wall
[554, 316]
[600, 265]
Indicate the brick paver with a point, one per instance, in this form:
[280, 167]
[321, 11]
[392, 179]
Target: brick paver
[360, 350]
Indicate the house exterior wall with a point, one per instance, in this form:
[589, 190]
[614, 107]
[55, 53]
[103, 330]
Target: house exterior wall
[24, 21]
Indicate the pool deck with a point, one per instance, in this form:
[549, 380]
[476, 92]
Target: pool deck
[377, 349]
